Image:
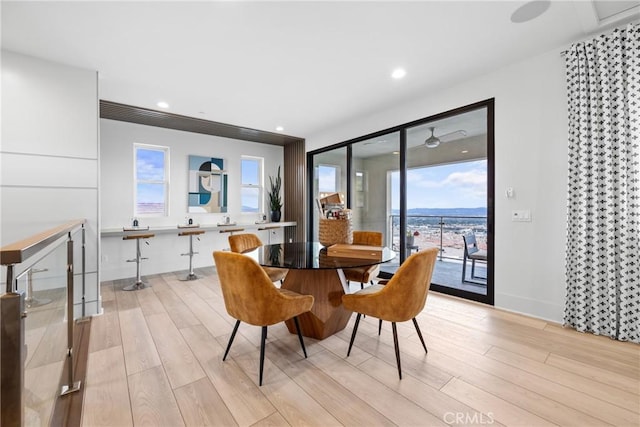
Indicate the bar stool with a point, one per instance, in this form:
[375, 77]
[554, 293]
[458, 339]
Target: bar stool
[137, 237]
[190, 233]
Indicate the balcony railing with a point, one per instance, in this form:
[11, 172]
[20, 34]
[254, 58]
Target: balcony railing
[37, 322]
[441, 231]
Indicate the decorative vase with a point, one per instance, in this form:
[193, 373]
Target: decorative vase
[410, 240]
[275, 216]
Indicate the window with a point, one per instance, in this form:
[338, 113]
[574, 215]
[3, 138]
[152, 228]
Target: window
[328, 178]
[151, 180]
[252, 187]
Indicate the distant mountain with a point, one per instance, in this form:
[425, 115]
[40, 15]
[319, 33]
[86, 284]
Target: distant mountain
[446, 211]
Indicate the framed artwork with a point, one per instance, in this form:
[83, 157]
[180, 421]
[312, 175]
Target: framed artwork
[207, 185]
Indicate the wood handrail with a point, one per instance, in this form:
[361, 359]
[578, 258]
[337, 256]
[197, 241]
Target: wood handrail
[17, 252]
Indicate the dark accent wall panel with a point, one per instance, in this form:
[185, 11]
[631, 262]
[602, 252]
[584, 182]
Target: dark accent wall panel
[294, 190]
[163, 119]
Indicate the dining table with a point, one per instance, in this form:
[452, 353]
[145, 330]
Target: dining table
[312, 271]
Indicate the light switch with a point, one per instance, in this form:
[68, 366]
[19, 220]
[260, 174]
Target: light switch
[521, 215]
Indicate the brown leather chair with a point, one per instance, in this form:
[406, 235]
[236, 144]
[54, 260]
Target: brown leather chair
[364, 274]
[401, 299]
[249, 296]
[472, 252]
[241, 243]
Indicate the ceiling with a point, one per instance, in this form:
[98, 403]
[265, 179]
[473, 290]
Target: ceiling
[463, 126]
[306, 66]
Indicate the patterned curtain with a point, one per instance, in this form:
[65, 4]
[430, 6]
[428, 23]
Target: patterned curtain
[602, 259]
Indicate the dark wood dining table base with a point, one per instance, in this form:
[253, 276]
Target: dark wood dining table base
[327, 316]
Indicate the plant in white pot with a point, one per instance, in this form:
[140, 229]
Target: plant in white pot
[275, 202]
[411, 235]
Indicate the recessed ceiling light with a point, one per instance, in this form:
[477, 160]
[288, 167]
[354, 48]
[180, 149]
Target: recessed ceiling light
[279, 128]
[398, 73]
[464, 151]
[162, 104]
[395, 152]
[529, 11]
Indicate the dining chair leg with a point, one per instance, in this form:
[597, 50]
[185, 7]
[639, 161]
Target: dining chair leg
[304, 350]
[233, 335]
[415, 323]
[353, 334]
[264, 338]
[379, 326]
[395, 343]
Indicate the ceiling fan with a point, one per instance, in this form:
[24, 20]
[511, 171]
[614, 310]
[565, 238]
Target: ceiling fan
[433, 141]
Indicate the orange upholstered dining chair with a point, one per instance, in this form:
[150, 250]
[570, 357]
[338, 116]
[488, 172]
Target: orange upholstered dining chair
[364, 274]
[401, 299]
[241, 243]
[250, 296]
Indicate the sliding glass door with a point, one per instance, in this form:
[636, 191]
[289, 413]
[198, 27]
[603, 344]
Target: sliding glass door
[447, 198]
[428, 183]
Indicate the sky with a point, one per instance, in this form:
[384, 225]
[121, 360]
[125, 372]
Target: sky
[150, 166]
[250, 175]
[327, 180]
[458, 185]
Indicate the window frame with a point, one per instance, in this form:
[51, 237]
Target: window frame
[260, 186]
[166, 151]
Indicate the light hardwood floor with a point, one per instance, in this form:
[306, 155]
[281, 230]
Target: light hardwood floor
[156, 360]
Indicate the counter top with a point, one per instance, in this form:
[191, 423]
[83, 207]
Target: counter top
[118, 232]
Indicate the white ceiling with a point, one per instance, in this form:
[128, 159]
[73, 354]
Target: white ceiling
[302, 65]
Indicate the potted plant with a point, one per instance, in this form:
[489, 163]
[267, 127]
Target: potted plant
[275, 202]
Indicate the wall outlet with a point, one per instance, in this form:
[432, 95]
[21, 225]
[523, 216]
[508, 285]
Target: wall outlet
[521, 215]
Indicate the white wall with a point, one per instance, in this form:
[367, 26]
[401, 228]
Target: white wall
[49, 159]
[530, 155]
[116, 155]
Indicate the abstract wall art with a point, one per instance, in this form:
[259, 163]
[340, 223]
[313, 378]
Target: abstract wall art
[207, 185]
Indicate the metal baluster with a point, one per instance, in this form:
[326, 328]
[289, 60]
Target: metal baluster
[441, 237]
[70, 387]
[84, 257]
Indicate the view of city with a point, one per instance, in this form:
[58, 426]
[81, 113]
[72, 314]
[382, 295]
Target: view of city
[444, 229]
[456, 197]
